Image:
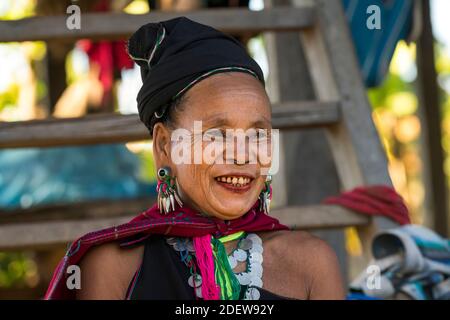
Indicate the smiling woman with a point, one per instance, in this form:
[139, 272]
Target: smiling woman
[235, 101]
[210, 235]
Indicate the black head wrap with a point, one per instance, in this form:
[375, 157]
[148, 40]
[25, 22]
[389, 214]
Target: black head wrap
[175, 54]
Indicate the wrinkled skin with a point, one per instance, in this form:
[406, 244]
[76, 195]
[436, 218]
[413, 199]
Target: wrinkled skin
[224, 101]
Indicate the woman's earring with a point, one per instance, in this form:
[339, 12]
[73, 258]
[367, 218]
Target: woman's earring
[167, 192]
[266, 196]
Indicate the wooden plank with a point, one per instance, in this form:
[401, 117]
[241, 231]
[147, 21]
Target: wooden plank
[356, 147]
[305, 114]
[292, 81]
[104, 208]
[44, 235]
[119, 25]
[330, 42]
[318, 217]
[92, 129]
[110, 128]
[40, 235]
[433, 155]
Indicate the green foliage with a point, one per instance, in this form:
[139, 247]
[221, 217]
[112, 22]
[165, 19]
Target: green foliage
[9, 97]
[16, 269]
[18, 9]
[392, 84]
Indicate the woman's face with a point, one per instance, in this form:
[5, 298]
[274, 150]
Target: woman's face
[221, 129]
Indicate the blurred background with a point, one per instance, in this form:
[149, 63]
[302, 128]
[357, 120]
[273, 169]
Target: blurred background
[66, 79]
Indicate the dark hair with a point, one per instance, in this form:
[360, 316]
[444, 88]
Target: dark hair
[170, 113]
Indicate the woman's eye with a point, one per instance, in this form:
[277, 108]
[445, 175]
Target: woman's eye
[260, 136]
[214, 134]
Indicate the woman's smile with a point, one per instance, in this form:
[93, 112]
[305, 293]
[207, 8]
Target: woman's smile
[237, 183]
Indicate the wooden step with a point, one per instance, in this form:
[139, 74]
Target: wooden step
[93, 209]
[120, 25]
[319, 217]
[46, 234]
[110, 128]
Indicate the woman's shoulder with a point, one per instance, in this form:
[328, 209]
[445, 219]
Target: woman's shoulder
[111, 252]
[107, 269]
[298, 241]
[309, 258]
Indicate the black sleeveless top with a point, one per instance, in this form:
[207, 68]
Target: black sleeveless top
[163, 276]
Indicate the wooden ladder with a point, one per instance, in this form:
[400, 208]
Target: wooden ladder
[341, 108]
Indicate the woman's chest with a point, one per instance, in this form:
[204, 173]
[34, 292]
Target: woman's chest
[282, 274]
[169, 271]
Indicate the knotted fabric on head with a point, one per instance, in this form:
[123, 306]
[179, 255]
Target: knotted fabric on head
[175, 54]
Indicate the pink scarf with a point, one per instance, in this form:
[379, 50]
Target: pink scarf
[183, 222]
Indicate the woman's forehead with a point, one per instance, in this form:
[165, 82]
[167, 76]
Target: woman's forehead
[230, 112]
[225, 97]
[222, 85]
[246, 119]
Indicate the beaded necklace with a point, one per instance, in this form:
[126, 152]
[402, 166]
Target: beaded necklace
[248, 249]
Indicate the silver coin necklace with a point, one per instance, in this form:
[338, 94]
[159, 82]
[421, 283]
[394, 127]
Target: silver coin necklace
[249, 249]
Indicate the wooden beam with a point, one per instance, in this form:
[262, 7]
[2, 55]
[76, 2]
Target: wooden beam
[436, 196]
[305, 114]
[359, 154]
[119, 25]
[92, 129]
[113, 128]
[44, 235]
[357, 150]
[318, 217]
[95, 209]
[291, 80]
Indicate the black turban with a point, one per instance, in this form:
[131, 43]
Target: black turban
[175, 54]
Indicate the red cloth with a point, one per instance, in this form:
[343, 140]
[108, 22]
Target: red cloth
[183, 222]
[374, 200]
[108, 55]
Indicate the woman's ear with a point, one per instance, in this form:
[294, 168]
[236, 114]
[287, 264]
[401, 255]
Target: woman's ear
[161, 145]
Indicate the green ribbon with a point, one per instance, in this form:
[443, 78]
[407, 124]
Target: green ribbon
[230, 288]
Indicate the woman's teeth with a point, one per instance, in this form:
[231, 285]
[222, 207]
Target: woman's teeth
[235, 181]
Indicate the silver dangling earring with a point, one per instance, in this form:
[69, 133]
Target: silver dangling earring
[266, 196]
[167, 192]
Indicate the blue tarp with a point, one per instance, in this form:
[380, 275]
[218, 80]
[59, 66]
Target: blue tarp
[375, 47]
[69, 174]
